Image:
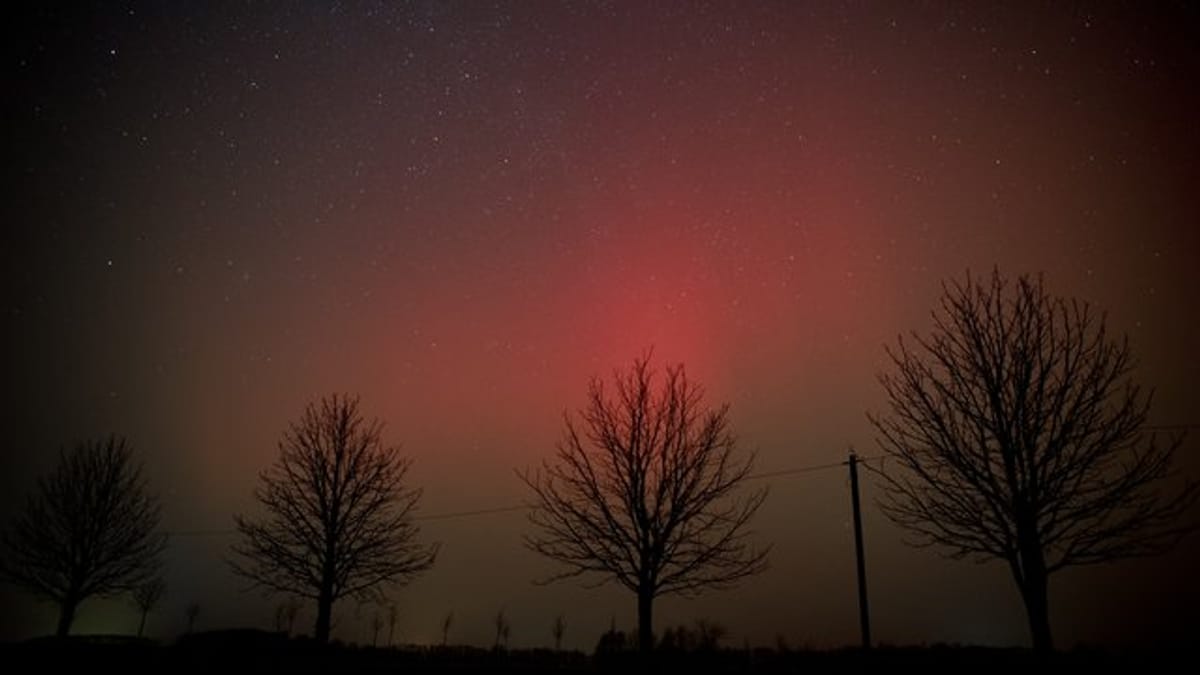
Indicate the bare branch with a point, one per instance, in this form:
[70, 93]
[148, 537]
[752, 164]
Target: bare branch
[89, 529]
[644, 490]
[338, 513]
[1019, 435]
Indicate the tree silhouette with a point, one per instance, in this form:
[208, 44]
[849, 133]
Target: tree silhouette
[376, 626]
[392, 614]
[285, 615]
[558, 629]
[1020, 436]
[87, 530]
[146, 597]
[706, 636]
[191, 613]
[447, 621]
[502, 629]
[339, 516]
[646, 493]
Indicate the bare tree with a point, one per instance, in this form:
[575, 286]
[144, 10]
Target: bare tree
[146, 597]
[502, 629]
[709, 634]
[376, 626]
[646, 493]
[1020, 436]
[280, 617]
[706, 636]
[447, 621]
[558, 629]
[191, 613]
[392, 614]
[88, 529]
[285, 615]
[339, 516]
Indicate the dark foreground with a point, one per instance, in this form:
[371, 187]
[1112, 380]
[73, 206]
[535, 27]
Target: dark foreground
[226, 652]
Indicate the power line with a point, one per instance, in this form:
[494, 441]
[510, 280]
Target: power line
[508, 508]
[450, 515]
[797, 470]
[872, 469]
[199, 533]
[1150, 427]
[476, 512]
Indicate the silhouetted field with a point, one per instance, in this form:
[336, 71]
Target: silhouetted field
[255, 651]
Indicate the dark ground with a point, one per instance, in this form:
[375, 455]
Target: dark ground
[264, 652]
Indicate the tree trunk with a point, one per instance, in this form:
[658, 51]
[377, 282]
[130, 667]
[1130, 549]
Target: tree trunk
[324, 612]
[142, 623]
[1033, 581]
[1037, 606]
[66, 615]
[645, 621]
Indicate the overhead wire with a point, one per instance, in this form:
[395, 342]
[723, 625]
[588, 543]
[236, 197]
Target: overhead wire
[864, 461]
[471, 513]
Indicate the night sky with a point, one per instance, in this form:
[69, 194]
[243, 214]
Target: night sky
[460, 211]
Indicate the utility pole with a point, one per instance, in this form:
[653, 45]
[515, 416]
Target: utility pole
[864, 617]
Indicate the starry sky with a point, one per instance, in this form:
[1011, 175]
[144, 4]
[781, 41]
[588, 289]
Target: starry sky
[218, 212]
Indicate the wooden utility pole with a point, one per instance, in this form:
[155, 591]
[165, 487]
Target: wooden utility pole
[864, 617]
